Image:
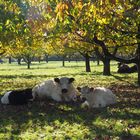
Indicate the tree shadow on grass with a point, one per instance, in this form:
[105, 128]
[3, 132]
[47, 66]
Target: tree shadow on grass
[32, 68]
[22, 118]
[47, 76]
[123, 79]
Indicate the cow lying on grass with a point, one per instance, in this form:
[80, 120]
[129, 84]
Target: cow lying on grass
[124, 68]
[57, 89]
[17, 97]
[97, 97]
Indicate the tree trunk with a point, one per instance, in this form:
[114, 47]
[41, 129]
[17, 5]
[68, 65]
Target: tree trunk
[28, 64]
[39, 59]
[106, 67]
[87, 63]
[10, 60]
[46, 58]
[19, 61]
[69, 59]
[63, 61]
[138, 63]
[98, 62]
[138, 55]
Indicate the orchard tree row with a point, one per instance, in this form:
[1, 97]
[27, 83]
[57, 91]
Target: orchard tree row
[108, 28]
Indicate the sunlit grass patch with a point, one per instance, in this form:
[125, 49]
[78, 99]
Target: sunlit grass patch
[59, 121]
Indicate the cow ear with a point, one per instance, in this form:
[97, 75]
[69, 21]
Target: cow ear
[79, 88]
[71, 80]
[57, 80]
[91, 89]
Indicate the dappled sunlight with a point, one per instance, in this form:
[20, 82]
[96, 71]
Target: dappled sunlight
[13, 76]
[69, 119]
[93, 43]
[54, 120]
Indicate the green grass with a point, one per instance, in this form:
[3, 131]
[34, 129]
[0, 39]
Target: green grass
[62, 121]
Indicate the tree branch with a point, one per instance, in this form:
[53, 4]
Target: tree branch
[98, 53]
[111, 56]
[105, 50]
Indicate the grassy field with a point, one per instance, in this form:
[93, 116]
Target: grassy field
[60, 121]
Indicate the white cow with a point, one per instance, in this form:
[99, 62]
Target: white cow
[97, 97]
[57, 89]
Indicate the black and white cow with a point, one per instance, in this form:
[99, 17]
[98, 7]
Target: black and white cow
[17, 97]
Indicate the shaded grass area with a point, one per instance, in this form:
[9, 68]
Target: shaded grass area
[64, 121]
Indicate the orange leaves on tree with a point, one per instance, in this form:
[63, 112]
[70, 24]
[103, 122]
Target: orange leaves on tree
[80, 5]
[61, 9]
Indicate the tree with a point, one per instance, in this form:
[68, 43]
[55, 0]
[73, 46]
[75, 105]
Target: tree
[22, 28]
[94, 22]
[84, 49]
[59, 46]
[26, 48]
[79, 20]
[12, 21]
[123, 15]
